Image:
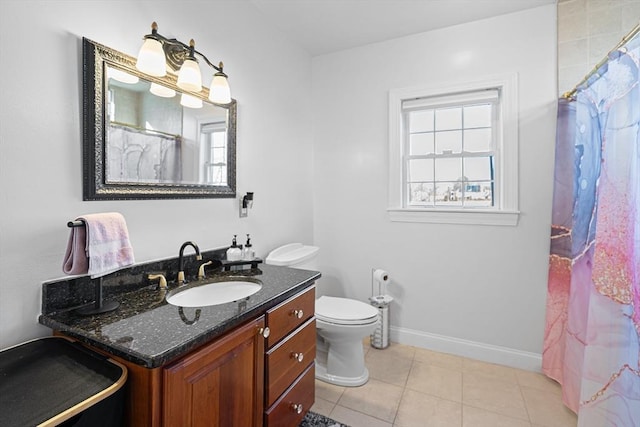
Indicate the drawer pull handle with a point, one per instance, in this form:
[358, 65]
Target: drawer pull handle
[299, 357]
[265, 332]
[297, 313]
[296, 407]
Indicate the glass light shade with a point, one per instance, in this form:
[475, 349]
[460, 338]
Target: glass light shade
[151, 58]
[162, 91]
[121, 76]
[190, 101]
[189, 77]
[220, 93]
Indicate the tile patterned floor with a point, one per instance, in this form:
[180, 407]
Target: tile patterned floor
[413, 387]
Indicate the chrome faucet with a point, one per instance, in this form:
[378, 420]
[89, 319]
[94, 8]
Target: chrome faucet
[181, 259]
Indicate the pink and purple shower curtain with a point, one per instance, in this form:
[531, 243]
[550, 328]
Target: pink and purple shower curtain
[591, 343]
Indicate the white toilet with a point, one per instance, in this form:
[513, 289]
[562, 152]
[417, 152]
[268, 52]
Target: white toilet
[341, 324]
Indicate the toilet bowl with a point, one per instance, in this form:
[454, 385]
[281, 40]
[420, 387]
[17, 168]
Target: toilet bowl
[341, 324]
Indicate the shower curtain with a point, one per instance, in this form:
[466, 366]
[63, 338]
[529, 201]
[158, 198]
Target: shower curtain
[591, 343]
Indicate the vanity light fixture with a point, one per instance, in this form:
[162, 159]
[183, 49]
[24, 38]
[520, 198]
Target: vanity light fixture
[190, 101]
[162, 91]
[246, 203]
[158, 52]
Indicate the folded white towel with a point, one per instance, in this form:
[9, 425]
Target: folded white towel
[107, 244]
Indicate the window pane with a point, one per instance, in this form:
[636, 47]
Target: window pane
[476, 140]
[448, 169]
[449, 118]
[421, 143]
[217, 156]
[478, 194]
[421, 121]
[220, 139]
[421, 194]
[478, 168]
[477, 116]
[448, 195]
[449, 142]
[420, 170]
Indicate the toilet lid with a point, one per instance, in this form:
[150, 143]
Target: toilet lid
[344, 311]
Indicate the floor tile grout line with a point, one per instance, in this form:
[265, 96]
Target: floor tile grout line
[524, 400]
[465, 370]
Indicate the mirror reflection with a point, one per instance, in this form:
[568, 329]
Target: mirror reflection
[157, 135]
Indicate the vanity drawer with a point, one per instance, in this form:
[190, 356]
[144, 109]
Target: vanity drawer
[291, 408]
[292, 313]
[289, 359]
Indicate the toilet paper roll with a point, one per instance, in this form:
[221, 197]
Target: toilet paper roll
[381, 276]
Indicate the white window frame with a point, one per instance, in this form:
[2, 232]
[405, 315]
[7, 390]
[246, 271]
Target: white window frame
[505, 210]
[211, 128]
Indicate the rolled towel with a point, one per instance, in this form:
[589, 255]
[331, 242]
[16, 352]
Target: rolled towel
[106, 247]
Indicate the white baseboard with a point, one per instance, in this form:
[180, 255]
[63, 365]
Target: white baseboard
[471, 349]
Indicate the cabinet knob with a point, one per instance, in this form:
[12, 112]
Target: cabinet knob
[265, 332]
[297, 356]
[296, 407]
[297, 313]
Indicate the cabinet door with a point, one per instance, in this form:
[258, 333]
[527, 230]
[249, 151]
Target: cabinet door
[220, 384]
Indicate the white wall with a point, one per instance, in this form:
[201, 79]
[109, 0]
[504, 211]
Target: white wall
[41, 151]
[474, 290]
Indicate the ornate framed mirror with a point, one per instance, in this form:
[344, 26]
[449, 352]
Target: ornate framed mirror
[144, 138]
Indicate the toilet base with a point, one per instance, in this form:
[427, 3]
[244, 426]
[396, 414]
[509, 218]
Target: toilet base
[322, 375]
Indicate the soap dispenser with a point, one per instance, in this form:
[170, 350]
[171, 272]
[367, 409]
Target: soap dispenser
[234, 253]
[248, 253]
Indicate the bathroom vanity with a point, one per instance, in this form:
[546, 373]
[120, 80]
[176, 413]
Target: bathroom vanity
[245, 363]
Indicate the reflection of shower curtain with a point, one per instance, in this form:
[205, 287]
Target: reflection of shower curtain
[592, 332]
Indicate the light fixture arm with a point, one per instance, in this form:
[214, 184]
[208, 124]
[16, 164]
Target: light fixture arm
[176, 51]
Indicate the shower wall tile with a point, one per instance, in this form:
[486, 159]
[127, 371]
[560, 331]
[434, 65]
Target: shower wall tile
[599, 46]
[630, 13]
[569, 76]
[574, 52]
[587, 31]
[604, 20]
[572, 26]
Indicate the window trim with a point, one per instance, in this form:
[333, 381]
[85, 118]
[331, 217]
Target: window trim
[506, 210]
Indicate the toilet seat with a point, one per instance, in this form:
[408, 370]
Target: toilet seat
[345, 311]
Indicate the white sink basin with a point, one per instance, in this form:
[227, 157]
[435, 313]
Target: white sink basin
[218, 291]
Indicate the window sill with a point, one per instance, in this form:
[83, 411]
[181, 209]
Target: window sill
[455, 216]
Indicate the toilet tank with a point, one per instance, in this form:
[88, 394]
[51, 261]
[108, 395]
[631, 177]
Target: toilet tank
[294, 255]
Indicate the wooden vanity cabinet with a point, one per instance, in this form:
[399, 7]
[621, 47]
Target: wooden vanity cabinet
[221, 384]
[244, 378]
[289, 360]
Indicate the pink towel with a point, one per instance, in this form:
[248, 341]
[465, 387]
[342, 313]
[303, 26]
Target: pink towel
[99, 248]
[75, 257]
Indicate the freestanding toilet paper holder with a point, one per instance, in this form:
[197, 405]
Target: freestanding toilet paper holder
[380, 336]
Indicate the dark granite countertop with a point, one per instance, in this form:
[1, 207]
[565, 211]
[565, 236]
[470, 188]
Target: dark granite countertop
[148, 331]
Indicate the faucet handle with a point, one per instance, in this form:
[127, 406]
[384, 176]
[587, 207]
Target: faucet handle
[201, 269]
[180, 278]
[162, 283]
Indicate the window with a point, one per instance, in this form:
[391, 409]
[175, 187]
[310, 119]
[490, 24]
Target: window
[454, 154]
[214, 141]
